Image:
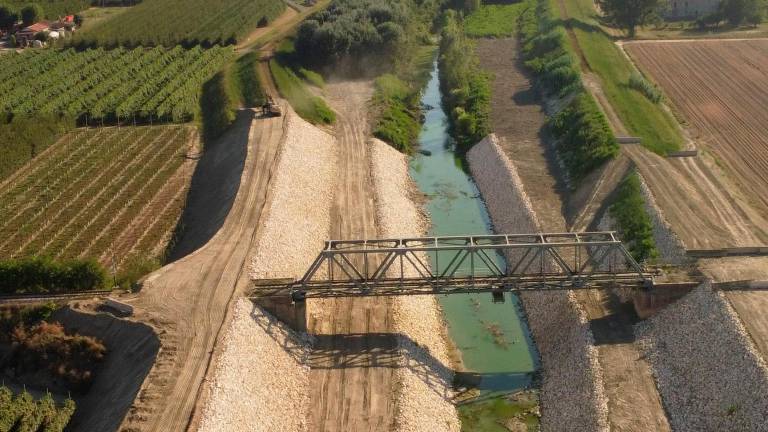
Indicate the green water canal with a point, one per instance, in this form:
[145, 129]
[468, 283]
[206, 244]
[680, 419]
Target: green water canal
[493, 338]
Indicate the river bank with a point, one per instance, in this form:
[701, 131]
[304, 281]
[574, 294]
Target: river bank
[571, 390]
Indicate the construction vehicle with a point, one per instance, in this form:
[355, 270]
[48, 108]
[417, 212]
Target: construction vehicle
[270, 108]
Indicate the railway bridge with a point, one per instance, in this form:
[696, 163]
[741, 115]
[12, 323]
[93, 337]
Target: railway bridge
[459, 264]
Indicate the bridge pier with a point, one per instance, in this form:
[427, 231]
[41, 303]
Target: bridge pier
[293, 314]
[648, 302]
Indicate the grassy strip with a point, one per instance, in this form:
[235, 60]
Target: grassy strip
[584, 138]
[633, 222]
[310, 107]
[465, 86]
[246, 80]
[493, 20]
[398, 124]
[642, 117]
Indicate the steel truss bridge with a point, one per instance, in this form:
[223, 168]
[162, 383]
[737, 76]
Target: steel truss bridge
[463, 264]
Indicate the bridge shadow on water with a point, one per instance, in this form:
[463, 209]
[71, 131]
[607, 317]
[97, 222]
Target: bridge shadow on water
[385, 350]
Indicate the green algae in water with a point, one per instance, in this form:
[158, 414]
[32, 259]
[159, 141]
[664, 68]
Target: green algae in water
[500, 414]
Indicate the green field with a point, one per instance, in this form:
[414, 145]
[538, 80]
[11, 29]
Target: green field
[109, 194]
[493, 20]
[658, 129]
[52, 9]
[161, 84]
[186, 22]
[23, 413]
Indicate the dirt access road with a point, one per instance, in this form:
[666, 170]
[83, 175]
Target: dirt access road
[186, 301]
[352, 390]
[517, 116]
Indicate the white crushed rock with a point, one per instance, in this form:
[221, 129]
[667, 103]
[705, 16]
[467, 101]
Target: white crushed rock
[261, 381]
[304, 186]
[572, 393]
[708, 371]
[258, 384]
[424, 390]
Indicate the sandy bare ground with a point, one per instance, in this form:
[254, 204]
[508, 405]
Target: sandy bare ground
[186, 301]
[132, 348]
[351, 386]
[517, 117]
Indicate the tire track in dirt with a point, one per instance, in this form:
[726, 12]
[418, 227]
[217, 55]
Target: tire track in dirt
[187, 300]
[351, 389]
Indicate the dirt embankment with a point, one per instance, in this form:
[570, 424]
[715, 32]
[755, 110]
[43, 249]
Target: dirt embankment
[706, 366]
[424, 375]
[261, 381]
[131, 351]
[187, 300]
[572, 389]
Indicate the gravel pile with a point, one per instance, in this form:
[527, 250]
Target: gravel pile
[709, 374]
[424, 391]
[261, 381]
[304, 187]
[572, 395]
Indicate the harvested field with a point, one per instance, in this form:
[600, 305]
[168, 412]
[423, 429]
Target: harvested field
[105, 193]
[721, 89]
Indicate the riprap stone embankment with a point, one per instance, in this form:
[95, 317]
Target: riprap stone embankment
[572, 394]
[708, 371]
[425, 377]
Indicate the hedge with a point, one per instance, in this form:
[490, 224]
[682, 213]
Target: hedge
[634, 223]
[584, 138]
[42, 275]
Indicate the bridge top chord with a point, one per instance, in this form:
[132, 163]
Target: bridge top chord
[454, 264]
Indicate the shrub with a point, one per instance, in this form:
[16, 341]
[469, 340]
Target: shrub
[466, 87]
[634, 224]
[650, 91]
[247, 78]
[584, 138]
[46, 346]
[399, 123]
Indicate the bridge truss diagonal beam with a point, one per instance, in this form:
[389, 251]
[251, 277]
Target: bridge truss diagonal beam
[442, 265]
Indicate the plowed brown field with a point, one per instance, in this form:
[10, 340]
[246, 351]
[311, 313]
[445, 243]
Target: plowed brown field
[721, 89]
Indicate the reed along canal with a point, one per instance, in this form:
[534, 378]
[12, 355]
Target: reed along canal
[493, 338]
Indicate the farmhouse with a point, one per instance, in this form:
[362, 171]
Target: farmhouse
[680, 9]
[26, 34]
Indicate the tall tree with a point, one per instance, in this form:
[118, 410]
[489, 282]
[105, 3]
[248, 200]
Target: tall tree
[736, 12]
[31, 14]
[629, 14]
[8, 17]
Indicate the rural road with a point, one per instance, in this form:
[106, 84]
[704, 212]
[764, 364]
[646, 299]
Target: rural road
[350, 389]
[187, 300]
